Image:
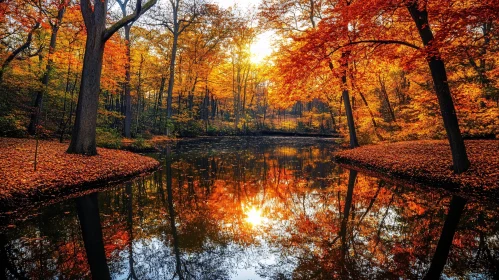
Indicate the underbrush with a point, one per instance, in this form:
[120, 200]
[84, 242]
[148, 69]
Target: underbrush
[108, 138]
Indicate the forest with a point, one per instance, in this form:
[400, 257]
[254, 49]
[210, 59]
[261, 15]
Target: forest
[185, 68]
[265, 139]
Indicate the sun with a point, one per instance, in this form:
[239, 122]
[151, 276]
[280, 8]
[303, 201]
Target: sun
[254, 216]
[261, 48]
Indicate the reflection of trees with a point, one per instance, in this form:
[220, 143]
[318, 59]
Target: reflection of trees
[486, 255]
[188, 220]
[352, 177]
[129, 203]
[445, 241]
[171, 211]
[88, 214]
[7, 267]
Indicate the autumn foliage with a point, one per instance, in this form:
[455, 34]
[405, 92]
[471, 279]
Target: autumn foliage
[429, 162]
[58, 171]
[391, 87]
[301, 197]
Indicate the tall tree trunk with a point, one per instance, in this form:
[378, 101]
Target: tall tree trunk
[213, 107]
[63, 113]
[94, 16]
[191, 96]
[351, 124]
[236, 84]
[386, 98]
[346, 100]
[368, 108]
[331, 114]
[83, 137]
[345, 96]
[159, 102]
[128, 97]
[64, 124]
[206, 106]
[439, 75]
[171, 80]
[245, 87]
[139, 93]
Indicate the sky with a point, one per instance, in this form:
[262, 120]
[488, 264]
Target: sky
[262, 47]
[240, 3]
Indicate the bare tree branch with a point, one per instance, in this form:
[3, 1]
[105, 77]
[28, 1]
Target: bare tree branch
[128, 19]
[21, 48]
[379, 42]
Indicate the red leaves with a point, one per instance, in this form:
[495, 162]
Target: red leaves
[430, 162]
[56, 169]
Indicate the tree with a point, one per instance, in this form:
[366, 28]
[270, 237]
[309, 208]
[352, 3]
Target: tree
[419, 14]
[358, 24]
[128, 98]
[180, 16]
[83, 137]
[300, 16]
[54, 26]
[24, 21]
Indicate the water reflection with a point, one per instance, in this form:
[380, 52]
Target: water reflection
[254, 216]
[445, 242]
[91, 231]
[251, 209]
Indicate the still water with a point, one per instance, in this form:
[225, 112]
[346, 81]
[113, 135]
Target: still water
[255, 208]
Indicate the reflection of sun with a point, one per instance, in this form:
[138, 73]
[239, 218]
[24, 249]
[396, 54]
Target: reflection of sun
[254, 216]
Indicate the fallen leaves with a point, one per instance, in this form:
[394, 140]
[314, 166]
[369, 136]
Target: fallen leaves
[57, 170]
[430, 163]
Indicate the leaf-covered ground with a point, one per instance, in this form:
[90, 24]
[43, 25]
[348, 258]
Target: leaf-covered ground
[430, 163]
[58, 171]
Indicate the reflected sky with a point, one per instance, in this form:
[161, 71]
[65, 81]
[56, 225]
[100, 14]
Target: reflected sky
[256, 208]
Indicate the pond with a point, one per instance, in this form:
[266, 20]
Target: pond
[254, 208]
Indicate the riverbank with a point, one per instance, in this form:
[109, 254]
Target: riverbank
[157, 143]
[430, 163]
[58, 172]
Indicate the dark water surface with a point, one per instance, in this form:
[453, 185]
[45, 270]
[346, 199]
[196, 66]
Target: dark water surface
[255, 208]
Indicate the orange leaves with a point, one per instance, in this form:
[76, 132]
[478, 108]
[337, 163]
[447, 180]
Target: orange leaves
[113, 70]
[57, 170]
[430, 162]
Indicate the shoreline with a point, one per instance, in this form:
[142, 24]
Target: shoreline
[428, 163]
[61, 174]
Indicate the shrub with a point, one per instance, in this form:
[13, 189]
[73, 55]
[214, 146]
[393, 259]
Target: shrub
[188, 128]
[147, 135]
[141, 144]
[11, 127]
[303, 127]
[108, 138]
[212, 130]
